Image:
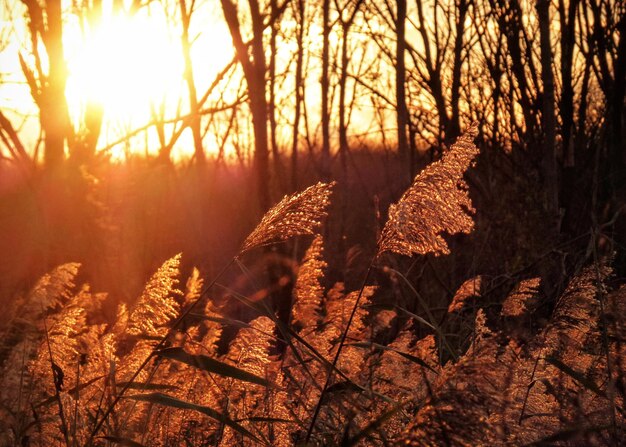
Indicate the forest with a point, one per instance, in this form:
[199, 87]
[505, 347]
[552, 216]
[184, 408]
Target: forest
[312, 223]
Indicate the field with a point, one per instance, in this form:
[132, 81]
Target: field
[452, 322]
[312, 223]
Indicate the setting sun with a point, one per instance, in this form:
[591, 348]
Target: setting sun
[131, 65]
[126, 64]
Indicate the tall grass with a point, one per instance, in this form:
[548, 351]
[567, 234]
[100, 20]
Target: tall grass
[341, 367]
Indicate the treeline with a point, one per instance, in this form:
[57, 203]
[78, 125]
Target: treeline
[545, 77]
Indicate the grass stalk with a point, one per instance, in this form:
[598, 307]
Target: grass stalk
[159, 345]
[433, 323]
[342, 341]
[57, 385]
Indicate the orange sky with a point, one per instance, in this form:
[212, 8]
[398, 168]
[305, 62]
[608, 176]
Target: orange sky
[134, 65]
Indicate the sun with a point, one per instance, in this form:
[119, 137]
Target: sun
[133, 66]
[126, 64]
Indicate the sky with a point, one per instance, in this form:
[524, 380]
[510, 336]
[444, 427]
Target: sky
[133, 66]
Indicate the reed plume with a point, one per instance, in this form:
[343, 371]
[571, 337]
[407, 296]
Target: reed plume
[295, 215]
[155, 307]
[307, 291]
[437, 202]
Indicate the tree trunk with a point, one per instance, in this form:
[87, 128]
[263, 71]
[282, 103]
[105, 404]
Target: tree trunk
[454, 124]
[254, 72]
[402, 114]
[54, 112]
[300, 17]
[509, 16]
[617, 108]
[194, 122]
[548, 118]
[611, 61]
[278, 168]
[567, 18]
[343, 77]
[325, 162]
[48, 90]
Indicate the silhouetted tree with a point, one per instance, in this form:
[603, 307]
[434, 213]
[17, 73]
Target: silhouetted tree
[402, 115]
[254, 71]
[194, 109]
[567, 19]
[300, 17]
[548, 118]
[609, 33]
[346, 23]
[325, 82]
[47, 87]
[438, 64]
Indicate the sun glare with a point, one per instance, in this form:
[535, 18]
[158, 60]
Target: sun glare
[132, 66]
[125, 65]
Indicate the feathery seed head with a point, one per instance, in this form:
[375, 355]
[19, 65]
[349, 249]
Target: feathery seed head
[295, 215]
[308, 292]
[436, 202]
[468, 289]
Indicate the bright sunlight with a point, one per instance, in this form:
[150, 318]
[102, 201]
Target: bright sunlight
[126, 65]
[132, 66]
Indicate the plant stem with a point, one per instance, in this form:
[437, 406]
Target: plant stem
[156, 348]
[54, 368]
[338, 353]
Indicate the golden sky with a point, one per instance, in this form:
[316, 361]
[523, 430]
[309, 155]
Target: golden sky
[133, 66]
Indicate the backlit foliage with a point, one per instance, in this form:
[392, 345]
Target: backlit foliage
[216, 380]
[520, 301]
[156, 307]
[307, 290]
[437, 202]
[468, 289]
[295, 215]
[249, 351]
[501, 392]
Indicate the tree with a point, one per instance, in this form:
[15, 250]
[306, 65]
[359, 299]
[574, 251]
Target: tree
[343, 77]
[521, 65]
[254, 70]
[567, 19]
[431, 58]
[548, 118]
[300, 16]
[194, 123]
[48, 88]
[609, 33]
[402, 116]
[325, 82]
[275, 14]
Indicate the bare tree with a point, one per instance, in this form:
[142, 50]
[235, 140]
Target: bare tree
[521, 64]
[254, 71]
[402, 116]
[194, 122]
[609, 32]
[275, 13]
[548, 117]
[430, 62]
[325, 82]
[300, 16]
[343, 77]
[567, 19]
[48, 88]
